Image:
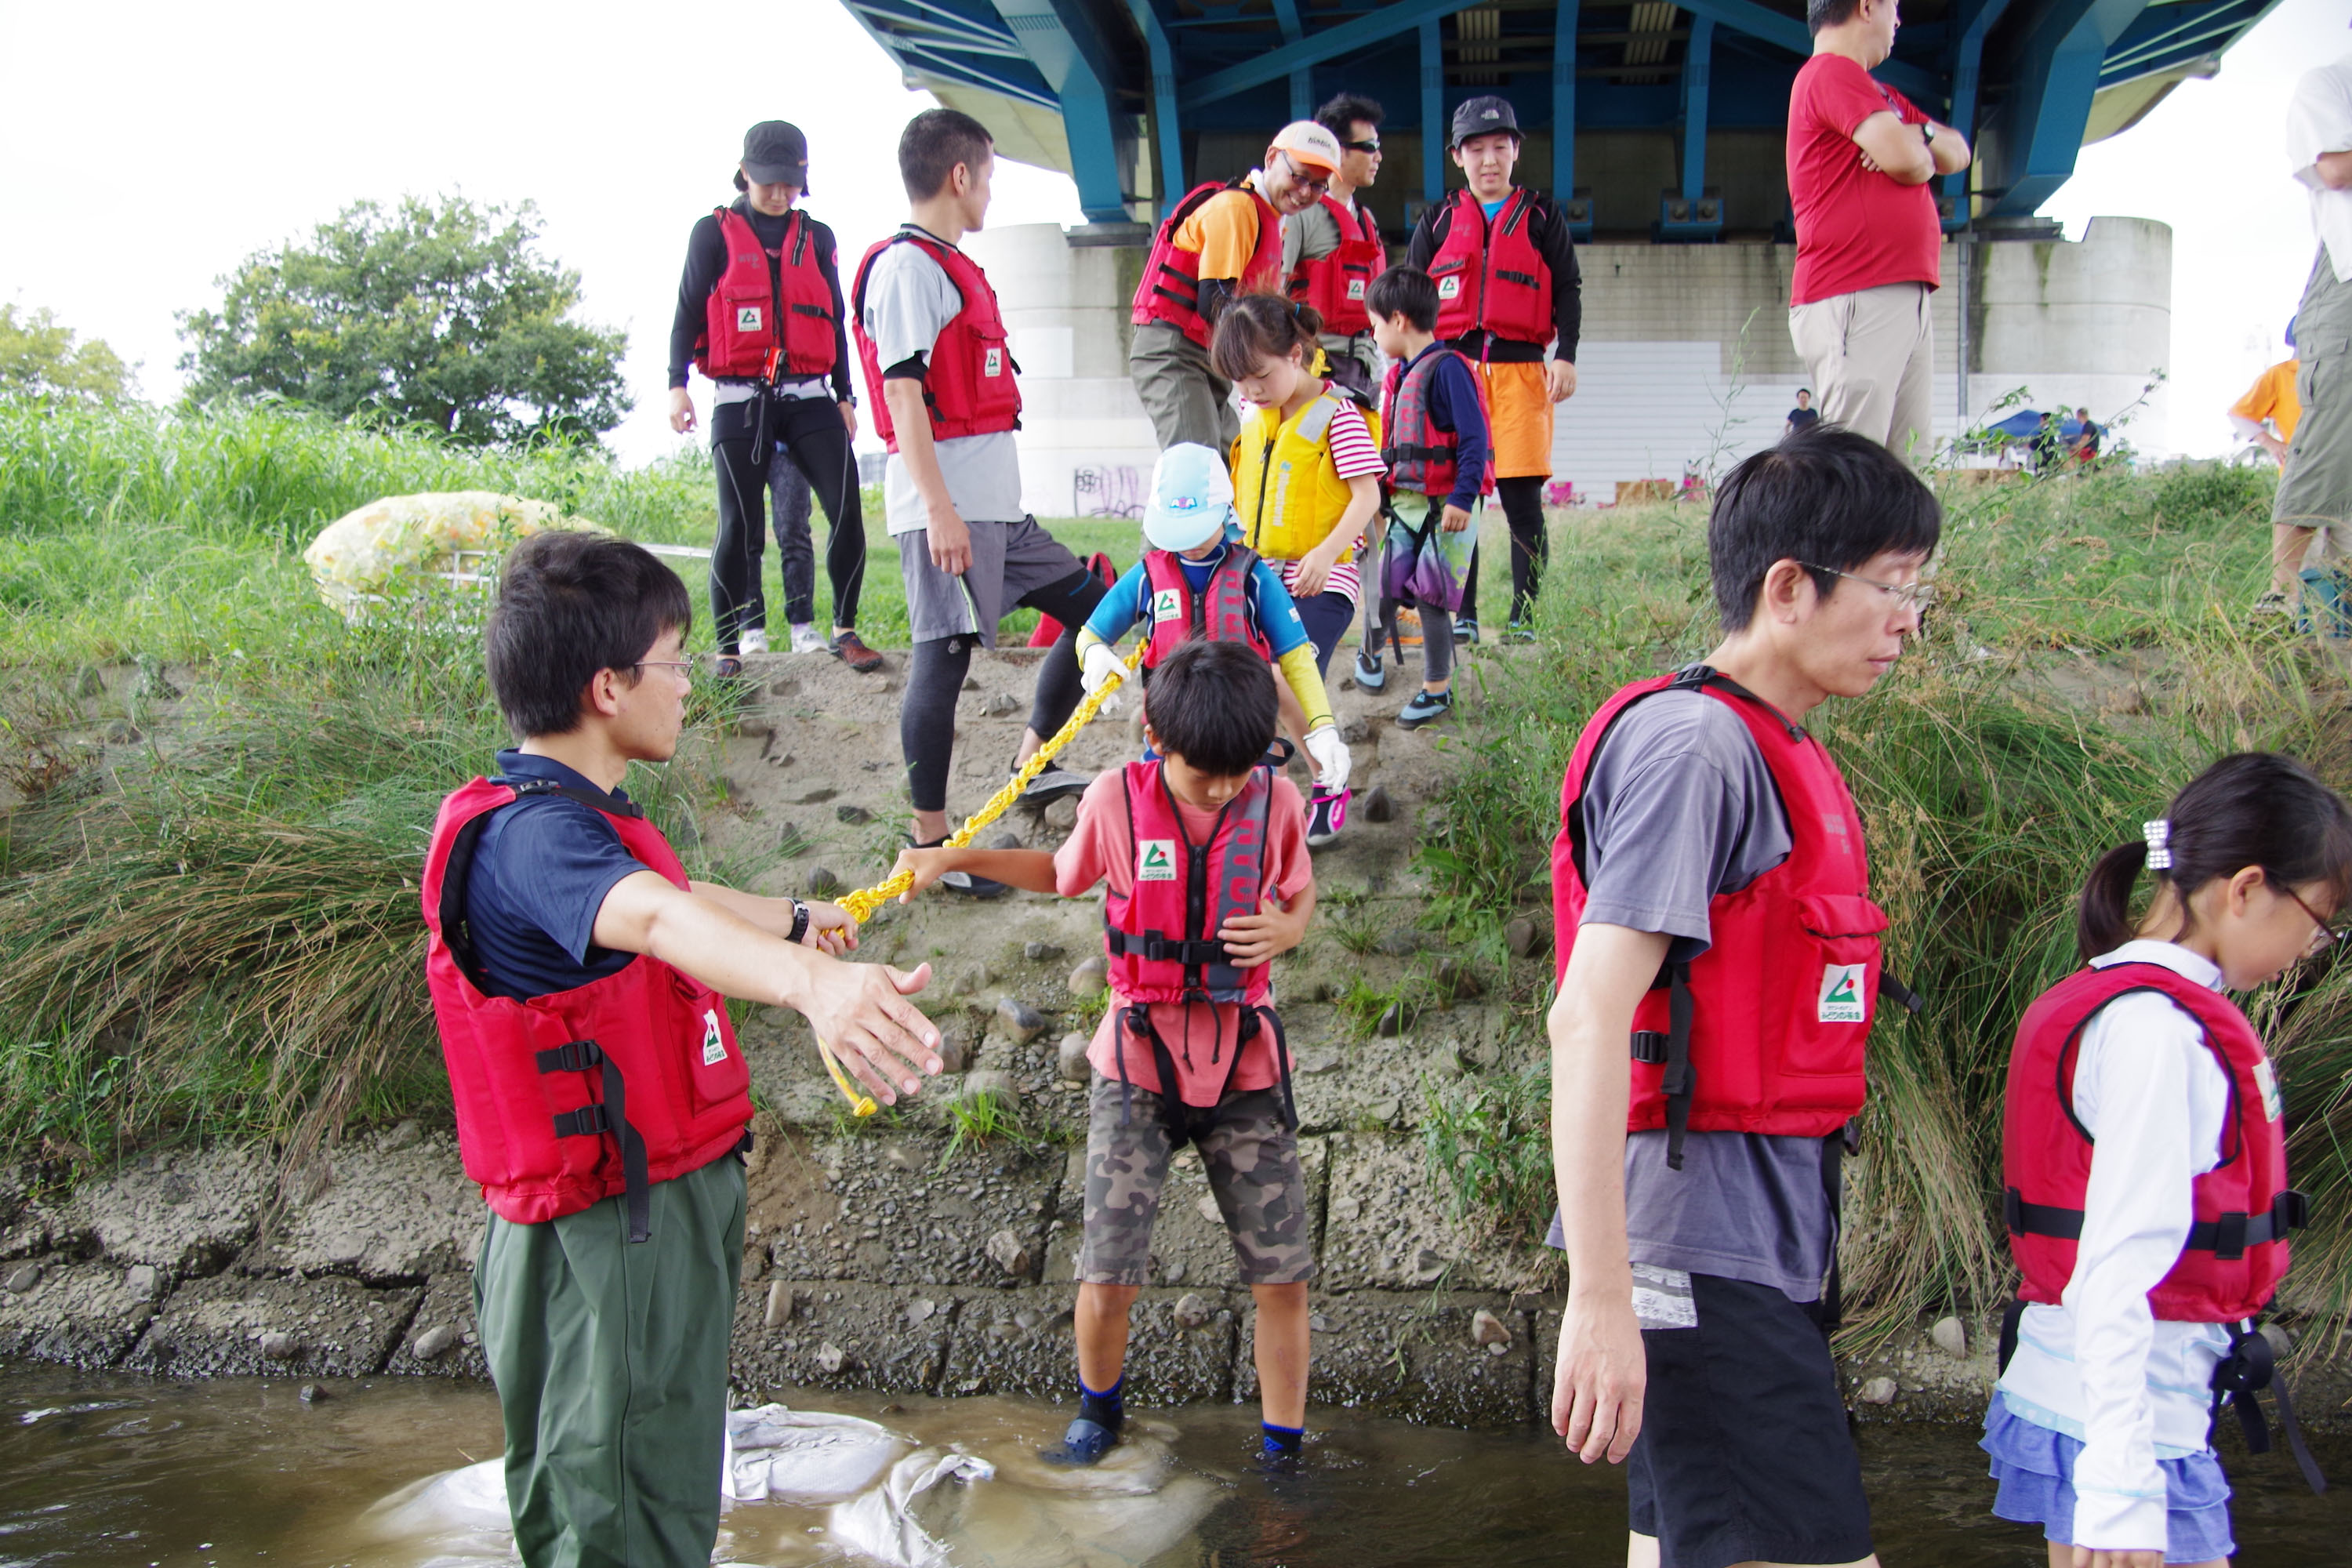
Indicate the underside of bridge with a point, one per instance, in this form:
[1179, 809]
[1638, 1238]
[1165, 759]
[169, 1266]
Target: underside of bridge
[1652, 119]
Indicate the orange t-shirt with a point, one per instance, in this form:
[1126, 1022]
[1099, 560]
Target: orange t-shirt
[2273, 397]
[1223, 232]
[1100, 850]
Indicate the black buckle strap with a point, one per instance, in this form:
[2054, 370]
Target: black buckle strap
[576, 1055]
[609, 1115]
[1650, 1047]
[2225, 1235]
[2238, 1379]
[1158, 947]
[1902, 994]
[1679, 1080]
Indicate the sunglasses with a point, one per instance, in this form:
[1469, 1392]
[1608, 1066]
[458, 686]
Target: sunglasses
[1371, 146]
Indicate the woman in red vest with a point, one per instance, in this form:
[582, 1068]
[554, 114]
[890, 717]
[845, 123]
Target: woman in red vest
[2144, 1173]
[759, 312]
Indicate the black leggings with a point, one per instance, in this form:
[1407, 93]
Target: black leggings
[935, 675]
[1522, 501]
[743, 437]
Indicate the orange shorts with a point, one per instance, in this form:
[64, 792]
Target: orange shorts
[1518, 419]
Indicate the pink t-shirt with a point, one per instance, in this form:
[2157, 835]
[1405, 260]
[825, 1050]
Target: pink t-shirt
[1100, 850]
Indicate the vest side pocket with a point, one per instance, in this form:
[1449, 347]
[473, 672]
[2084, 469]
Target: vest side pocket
[1828, 986]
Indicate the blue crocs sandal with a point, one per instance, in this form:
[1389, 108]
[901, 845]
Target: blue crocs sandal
[1083, 1444]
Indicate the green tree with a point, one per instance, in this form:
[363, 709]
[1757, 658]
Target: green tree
[443, 316]
[39, 358]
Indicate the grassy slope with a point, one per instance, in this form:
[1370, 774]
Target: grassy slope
[2092, 653]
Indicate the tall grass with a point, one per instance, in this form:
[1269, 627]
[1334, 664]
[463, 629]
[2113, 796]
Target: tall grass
[2091, 653]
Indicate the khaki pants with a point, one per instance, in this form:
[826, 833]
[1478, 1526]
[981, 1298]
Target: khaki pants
[1873, 355]
[2315, 491]
[1186, 400]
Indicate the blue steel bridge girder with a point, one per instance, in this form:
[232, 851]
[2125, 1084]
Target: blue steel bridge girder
[1080, 66]
[2053, 70]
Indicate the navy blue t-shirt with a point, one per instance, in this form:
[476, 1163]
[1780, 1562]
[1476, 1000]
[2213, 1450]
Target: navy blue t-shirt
[541, 873]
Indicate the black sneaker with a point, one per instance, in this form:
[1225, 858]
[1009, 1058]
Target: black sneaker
[1369, 676]
[1052, 783]
[1426, 708]
[1465, 629]
[962, 882]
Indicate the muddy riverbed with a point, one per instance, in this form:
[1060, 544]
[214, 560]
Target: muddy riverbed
[124, 1471]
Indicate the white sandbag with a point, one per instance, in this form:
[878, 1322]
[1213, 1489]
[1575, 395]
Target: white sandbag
[803, 1455]
[455, 1517]
[901, 1523]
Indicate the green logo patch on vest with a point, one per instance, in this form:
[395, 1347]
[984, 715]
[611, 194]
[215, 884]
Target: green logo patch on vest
[714, 1044]
[747, 319]
[1167, 605]
[992, 362]
[1449, 287]
[1355, 287]
[1155, 860]
[1841, 993]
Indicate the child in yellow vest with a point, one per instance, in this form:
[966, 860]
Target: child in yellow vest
[1306, 473]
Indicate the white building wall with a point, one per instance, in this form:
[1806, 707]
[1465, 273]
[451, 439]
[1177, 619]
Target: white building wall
[1685, 357]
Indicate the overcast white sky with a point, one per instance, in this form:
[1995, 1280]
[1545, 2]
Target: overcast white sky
[146, 148]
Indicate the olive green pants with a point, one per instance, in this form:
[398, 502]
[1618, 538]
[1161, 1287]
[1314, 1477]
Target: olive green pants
[611, 1364]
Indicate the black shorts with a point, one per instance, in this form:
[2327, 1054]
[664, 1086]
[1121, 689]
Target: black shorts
[1745, 1454]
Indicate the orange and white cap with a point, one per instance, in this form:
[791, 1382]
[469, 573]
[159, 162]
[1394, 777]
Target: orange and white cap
[1312, 147]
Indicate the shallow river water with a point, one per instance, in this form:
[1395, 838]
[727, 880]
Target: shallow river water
[115, 1470]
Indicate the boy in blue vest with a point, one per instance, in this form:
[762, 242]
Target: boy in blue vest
[1434, 438]
[1189, 1050]
[1195, 580]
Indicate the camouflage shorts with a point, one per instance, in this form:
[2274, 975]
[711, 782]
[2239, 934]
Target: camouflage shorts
[1251, 1164]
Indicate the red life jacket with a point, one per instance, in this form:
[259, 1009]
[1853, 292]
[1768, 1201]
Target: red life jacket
[749, 302]
[1170, 289]
[1499, 281]
[1334, 284]
[1161, 938]
[1764, 1031]
[969, 381]
[1419, 456]
[641, 1063]
[1174, 614]
[2237, 1249]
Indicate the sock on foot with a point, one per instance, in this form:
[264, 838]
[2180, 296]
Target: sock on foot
[1281, 1440]
[1106, 1409]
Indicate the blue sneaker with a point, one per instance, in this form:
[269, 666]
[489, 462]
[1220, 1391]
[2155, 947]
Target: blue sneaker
[1369, 676]
[1083, 1444]
[1426, 708]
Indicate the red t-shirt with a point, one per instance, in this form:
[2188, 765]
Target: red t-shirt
[1099, 849]
[1855, 229]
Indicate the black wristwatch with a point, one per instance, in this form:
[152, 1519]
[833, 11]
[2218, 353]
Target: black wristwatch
[799, 921]
[1927, 131]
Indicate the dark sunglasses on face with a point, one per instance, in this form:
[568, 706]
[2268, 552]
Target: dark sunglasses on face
[1371, 146]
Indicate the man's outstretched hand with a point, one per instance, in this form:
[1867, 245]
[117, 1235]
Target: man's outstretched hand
[862, 1012]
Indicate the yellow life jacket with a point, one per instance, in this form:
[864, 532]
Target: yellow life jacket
[1285, 488]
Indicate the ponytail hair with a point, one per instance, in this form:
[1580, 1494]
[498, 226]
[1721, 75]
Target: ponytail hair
[1262, 326]
[2250, 808]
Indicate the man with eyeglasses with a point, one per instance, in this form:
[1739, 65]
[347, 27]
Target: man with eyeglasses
[1332, 252]
[1719, 971]
[1223, 238]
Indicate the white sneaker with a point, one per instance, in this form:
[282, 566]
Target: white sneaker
[807, 638]
[752, 639]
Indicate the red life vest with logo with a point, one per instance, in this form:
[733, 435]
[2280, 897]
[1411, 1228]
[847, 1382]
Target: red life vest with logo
[750, 305]
[1174, 614]
[2237, 1249]
[1161, 938]
[1170, 289]
[565, 1099]
[1764, 1031]
[1492, 277]
[1419, 456]
[1334, 284]
[969, 381]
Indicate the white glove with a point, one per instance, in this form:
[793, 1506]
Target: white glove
[1100, 664]
[1331, 760]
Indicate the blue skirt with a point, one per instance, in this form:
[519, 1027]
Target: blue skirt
[2035, 1468]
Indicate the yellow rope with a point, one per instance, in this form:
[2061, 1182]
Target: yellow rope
[863, 904]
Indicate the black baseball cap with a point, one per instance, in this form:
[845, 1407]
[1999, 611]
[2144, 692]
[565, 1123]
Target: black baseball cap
[1478, 116]
[776, 154]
